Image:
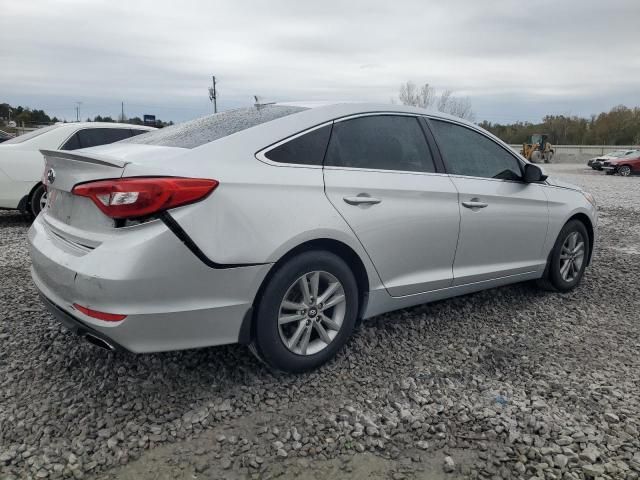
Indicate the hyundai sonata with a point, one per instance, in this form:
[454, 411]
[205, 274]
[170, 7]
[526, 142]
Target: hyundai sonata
[282, 226]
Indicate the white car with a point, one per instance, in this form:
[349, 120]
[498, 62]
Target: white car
[22, 164]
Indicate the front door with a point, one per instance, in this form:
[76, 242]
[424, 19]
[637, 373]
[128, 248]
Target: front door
[504, 220]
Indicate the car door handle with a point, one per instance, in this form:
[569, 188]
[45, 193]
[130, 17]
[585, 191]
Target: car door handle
[474, 203]
[362, 199]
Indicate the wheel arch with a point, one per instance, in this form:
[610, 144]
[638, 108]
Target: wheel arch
[341, 249]
[25, 202]
[586, 221]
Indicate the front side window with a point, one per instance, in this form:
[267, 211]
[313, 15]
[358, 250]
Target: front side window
[307, 149]
[92, 137]
[470, 153]
[384, 142]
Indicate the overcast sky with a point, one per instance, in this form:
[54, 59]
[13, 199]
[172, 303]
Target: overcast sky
[515, 60]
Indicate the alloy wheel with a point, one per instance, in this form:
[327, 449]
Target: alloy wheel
[572, 256]
[43, 200]
[624, 170]
[311, 313]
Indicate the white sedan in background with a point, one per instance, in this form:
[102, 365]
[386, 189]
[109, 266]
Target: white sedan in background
[22, 164]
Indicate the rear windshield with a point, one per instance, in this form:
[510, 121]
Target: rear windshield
[213, 127]
[30, 135]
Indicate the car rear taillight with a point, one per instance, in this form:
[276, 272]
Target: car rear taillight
[107, 317]
[137, 197]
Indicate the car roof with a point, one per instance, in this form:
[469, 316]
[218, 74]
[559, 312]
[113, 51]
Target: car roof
[354, 108]
[105, 125]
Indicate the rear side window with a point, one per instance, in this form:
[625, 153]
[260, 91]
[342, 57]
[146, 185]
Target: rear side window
[470, 153]
[92, 137]
[208, 129]
[135, 132]
[385, 142]
[72, 143]
[307, 149]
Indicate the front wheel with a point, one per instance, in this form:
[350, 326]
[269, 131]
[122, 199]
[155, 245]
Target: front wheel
[568, 258]
[306, 312]
[624, 170]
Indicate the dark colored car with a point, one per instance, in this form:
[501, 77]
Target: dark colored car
[625, 166]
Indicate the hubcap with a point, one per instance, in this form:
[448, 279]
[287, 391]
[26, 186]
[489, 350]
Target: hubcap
[571, 256]
[311, 313]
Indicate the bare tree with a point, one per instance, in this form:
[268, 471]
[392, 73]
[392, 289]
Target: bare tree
[425, 97]
[411, 95]
[445, 101]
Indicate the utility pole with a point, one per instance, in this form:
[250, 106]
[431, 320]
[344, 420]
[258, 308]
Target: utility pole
[122, 113]
[78, 111]
[213, 96]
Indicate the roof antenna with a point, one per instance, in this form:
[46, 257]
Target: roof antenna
[260, 103]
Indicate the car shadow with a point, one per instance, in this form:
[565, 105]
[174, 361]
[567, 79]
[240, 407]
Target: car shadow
[13, 218]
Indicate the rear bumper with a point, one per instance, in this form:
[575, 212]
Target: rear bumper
[171, 299]
[76, 326]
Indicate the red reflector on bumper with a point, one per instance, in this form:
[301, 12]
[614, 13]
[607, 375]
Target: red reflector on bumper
[107, 317]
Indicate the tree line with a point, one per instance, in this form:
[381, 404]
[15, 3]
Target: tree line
[619, 126]
[32, 117]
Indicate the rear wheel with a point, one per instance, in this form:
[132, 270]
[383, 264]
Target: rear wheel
[624, 170]
[568, 258]
[38, 200]
[306, 312]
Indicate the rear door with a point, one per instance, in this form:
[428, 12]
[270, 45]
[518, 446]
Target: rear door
[504, 220]
[381, 176]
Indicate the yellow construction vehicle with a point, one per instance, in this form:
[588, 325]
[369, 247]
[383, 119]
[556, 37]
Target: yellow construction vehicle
[538, 149]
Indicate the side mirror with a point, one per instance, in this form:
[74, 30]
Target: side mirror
[533, 173]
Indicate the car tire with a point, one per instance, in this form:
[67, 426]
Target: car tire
[624, 170]
[277, 341]
[37, 197]
[560, 275]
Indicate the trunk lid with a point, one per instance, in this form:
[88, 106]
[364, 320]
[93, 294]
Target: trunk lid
[62, 171]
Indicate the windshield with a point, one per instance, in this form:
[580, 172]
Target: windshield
[617, 153]
[30, 135]
[213, 127]
[630, 153]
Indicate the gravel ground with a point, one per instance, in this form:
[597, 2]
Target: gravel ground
[507, 383]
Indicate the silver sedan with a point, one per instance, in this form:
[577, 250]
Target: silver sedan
[282, 226]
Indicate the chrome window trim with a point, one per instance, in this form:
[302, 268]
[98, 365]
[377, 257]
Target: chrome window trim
[377, 114]
[261, 154]
[520, 161]
[380, 170]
